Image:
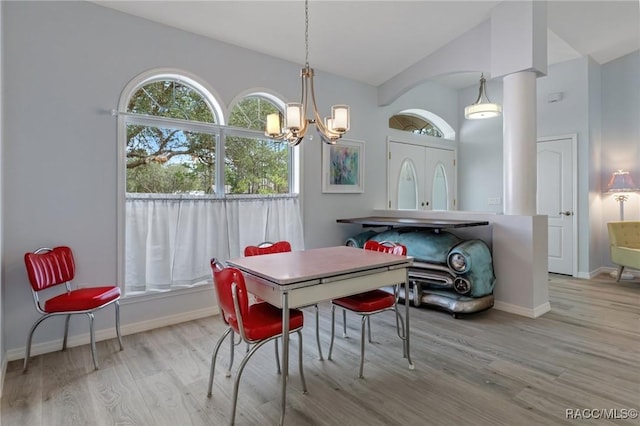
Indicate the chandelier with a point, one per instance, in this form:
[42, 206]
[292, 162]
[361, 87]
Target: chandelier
[482, 107]
[296, 122]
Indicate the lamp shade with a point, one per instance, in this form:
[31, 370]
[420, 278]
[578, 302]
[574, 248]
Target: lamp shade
[621, 181]
[482, 107]
[479, 111]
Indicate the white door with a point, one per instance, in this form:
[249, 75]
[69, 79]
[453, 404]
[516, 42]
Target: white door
[556, 199]
[420, 178]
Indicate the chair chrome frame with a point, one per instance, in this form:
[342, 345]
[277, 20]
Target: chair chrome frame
[366, 318]
[265, 246]
[255, 345]
[88, 312]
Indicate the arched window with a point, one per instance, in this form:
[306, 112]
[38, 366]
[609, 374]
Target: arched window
[192, 186]
[423, 122]
[168, 150]
[414, 124]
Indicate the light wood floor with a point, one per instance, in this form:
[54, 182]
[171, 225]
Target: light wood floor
[491, 368]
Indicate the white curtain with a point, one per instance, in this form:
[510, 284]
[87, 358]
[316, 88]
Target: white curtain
[171, 238]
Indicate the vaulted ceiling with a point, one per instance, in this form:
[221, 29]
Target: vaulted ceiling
[372, 41]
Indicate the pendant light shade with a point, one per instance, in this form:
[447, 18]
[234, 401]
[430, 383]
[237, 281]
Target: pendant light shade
[482, 107]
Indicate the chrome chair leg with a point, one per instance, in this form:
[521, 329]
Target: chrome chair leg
[318, 333]
[93, 341]
[236, 383]
[344, 323]
[66, 332]
[214, 356]
[27, 354]
[275, 344]
[231, 353]
[117, 303]
[333, 329]
[369, 328]
[304, 383]
[401, 335]
[363, 324]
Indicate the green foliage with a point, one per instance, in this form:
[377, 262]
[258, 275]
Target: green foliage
[251, 113]
[171, 99]
[162, 179]
[172, 160]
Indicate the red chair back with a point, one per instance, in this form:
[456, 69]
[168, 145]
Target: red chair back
[267, 248]
[50, 268]
[386, 247]
[223, 281]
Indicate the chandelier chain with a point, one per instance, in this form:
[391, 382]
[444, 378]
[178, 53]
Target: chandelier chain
[306, 33]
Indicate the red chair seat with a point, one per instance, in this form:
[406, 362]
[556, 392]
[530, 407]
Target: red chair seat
[265, 320]
[369, 301]
[83, 299]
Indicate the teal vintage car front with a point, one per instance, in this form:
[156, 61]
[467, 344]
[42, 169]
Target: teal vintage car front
[448, 272]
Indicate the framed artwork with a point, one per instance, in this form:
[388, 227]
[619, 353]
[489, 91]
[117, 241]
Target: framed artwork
[343, 167]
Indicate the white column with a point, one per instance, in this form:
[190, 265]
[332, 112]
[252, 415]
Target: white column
[519, 139]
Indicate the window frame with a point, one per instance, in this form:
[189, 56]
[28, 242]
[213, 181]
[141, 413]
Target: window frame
[219, 129]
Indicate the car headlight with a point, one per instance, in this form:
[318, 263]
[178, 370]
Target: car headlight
[457, 262]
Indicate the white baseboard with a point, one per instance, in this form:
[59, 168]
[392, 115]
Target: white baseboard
[110, 333]
[519, 310]
[607, 270]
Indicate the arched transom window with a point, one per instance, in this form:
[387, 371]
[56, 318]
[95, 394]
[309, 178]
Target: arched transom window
[414, 124]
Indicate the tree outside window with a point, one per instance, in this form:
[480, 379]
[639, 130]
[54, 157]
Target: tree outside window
[176, 152]
[168, 158]
[255, 165]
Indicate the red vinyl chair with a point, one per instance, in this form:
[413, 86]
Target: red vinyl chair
[262, 248]
[257, 324]
[47, 268]
[279, 247]
[267, 248]
[370, 302]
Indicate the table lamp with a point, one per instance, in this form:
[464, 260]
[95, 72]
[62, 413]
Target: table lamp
[620, 185]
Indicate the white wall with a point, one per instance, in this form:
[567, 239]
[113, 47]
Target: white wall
[480, 154]
[3, 358]
[620, 137]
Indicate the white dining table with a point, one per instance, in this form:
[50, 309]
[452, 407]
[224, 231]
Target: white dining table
[302, 278]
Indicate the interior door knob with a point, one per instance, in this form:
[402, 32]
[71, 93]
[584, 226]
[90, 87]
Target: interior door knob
[567, 213]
